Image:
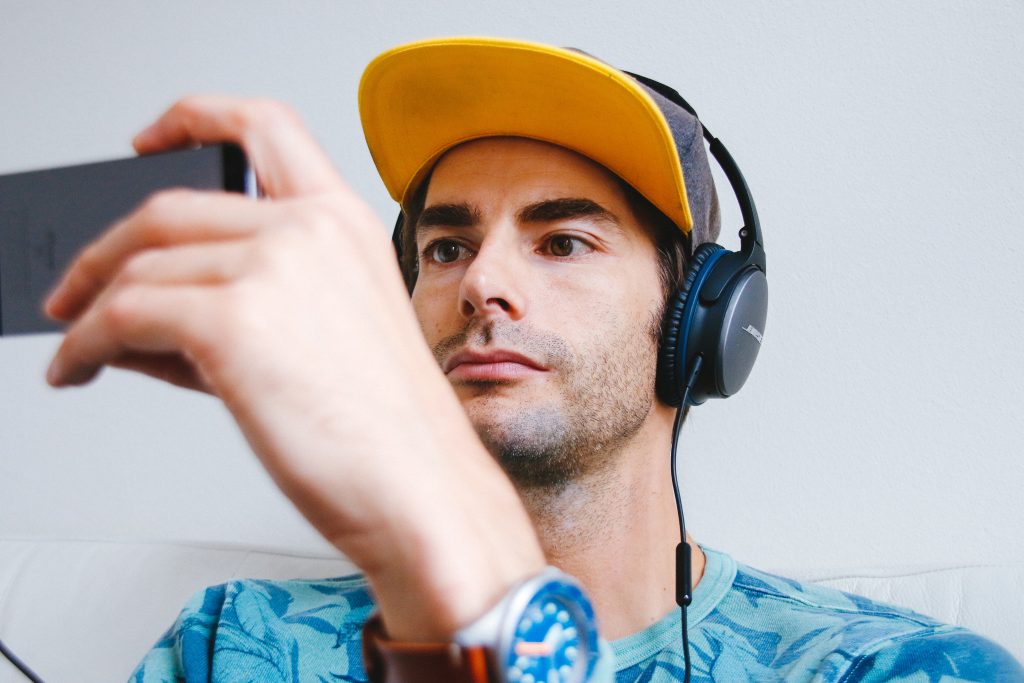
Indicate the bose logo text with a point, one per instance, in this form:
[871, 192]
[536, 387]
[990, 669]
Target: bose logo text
[753, 332]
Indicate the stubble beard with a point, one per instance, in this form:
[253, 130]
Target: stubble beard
[604, 395]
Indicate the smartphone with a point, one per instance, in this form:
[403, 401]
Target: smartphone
[47, 216]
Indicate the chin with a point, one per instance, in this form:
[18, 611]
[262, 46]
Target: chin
[506, 417]
[492, 409]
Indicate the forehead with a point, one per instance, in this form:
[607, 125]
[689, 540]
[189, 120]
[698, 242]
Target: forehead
[506, 167]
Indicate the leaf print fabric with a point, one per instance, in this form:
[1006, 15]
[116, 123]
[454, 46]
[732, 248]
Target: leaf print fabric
[265, 631]
[744, 625]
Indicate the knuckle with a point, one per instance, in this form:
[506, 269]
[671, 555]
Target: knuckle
[208, 345]
[138, 266]
[264, 113]
[187, 109]
[263, 253]
[159, 210]
[120, 309]
[185, 104]
[234, 298]
[239, 318]
[320, 221]
[309, 227]
[159, 205]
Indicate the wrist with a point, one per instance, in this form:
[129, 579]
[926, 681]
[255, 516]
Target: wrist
[444, 571]
[543, 628]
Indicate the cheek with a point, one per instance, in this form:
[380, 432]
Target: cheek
[597, 316]
[434, 312]
[624, 296]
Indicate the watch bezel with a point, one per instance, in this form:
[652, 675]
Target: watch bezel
[496, 629]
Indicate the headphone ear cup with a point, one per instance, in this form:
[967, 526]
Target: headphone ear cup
[670, 382]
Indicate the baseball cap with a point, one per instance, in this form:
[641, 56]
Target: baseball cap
[417, 101]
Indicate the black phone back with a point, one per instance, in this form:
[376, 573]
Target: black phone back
[47, 216]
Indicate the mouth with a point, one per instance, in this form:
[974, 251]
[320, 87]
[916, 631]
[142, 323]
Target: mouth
[495, 365]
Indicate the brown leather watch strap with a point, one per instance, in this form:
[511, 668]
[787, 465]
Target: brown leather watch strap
[390, 661]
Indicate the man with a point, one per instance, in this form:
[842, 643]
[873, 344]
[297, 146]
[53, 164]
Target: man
[543, 250]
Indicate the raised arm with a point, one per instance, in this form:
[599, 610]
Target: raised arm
[292, 311]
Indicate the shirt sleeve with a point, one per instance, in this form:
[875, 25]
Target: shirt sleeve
[953, 656]
[185, 651]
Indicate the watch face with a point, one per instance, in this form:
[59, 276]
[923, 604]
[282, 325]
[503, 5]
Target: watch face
[555, 640]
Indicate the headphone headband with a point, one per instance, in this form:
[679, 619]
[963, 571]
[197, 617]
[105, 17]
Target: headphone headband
[750, 233]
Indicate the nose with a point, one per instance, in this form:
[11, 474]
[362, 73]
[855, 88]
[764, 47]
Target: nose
[493, 284]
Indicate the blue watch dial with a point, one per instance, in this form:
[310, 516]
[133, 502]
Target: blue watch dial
[555, 639]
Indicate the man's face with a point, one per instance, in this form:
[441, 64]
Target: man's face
[539, 294]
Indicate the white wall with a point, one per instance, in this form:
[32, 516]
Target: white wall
[883, 144]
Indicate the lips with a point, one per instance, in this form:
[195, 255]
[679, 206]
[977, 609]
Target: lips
[497, 364]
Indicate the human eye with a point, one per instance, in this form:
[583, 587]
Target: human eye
[563, 246]
[444, 251]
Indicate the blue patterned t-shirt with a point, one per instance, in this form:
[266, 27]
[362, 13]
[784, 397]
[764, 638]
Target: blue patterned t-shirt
[744, 625]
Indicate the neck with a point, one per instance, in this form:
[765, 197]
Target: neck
[616, 531]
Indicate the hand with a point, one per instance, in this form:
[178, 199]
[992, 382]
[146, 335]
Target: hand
[293, 312]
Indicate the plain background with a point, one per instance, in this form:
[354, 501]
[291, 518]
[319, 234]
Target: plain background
[882, 142]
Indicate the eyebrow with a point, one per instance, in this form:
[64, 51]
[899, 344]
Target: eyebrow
[462, 215]
[565, 208]
[448, 216]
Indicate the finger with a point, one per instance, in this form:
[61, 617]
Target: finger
[138, 319]
[166, 219]
[203, 263]
[287, 159]
[168, 367]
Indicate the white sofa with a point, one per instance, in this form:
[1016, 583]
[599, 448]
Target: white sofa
[88, 610]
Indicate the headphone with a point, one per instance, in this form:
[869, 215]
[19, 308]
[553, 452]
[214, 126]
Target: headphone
[714, 323]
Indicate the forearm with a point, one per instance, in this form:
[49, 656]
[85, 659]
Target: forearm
[445, 540]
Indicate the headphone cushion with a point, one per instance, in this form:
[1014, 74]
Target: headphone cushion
[671, 379]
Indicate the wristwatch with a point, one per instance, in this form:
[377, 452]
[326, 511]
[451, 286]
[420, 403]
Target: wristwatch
[542, 631]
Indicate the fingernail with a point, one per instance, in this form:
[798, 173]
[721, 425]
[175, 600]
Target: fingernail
[54, 372]
[49, 302]
[142, 137]
[57, 288]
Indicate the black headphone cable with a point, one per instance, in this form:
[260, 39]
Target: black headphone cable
[18, 664]
[684, 577]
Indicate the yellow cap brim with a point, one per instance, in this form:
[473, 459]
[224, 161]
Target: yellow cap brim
[419, 100]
